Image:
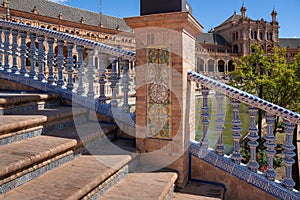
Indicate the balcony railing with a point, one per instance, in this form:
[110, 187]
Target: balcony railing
[63, 63]
[291, 119]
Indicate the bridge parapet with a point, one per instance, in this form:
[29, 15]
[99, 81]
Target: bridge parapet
[53, 67]
[79, 69]
[265, 180]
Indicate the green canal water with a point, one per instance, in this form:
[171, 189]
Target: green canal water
[227, 134]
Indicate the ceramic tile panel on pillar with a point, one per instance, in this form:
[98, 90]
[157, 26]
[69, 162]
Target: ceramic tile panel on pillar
[165, 54]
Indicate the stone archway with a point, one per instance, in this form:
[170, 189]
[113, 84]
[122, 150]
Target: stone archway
[221, 66]
[211, 66]
[200, 65]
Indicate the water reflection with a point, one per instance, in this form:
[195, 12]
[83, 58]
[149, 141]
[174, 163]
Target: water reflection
[227, 134]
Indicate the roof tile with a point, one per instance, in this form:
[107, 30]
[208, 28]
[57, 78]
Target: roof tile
[52, 9]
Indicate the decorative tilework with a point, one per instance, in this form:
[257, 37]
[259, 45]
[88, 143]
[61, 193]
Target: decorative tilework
[104, 187]
[241, 171]
[19, 137]
[34, 174]
[158, 93]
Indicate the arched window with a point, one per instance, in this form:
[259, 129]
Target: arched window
[261, 37]
[200, 65]
[221, 66]
[235, 49]
[255, 35]
[211, 66]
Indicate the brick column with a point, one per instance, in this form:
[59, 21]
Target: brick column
[165, 102]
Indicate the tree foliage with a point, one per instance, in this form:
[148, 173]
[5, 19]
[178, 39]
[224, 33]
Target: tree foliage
[269, 76]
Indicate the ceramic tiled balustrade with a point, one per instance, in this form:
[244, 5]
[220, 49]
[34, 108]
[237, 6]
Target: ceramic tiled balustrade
[52, 69]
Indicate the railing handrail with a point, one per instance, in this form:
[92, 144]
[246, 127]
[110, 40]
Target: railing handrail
[244, 97]
[70, 38]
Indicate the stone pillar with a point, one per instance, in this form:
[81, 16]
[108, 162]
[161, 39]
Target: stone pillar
[165, 102]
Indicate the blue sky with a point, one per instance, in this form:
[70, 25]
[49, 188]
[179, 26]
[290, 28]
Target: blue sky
[209, 13]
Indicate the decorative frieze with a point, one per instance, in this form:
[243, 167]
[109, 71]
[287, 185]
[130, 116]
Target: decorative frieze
[158, 79]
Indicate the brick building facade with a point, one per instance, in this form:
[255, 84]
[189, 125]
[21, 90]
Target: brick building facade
[215, 50]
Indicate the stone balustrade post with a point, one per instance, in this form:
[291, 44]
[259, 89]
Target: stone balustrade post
[7, 52]
[113, 79]
[288, 153]
[51, 61]
[23, 54]
[236, 129]
[32, 56]
[60, 63]
[165, 101]
[102, 78]
[80, 68]
[1, 50]
[270, 145]
[70, 66]
[41, 58]
[253, 137]
[14, 52]
[125, 86]
[91, 72]
[204, 143]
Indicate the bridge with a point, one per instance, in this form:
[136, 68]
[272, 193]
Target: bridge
[61, 139]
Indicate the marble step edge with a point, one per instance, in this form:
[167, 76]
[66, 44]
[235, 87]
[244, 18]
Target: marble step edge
[29, 106]
[38, 169]
[100, 190]
[138, 185]
[36, 127]
[35, 171]
[11, 123]
[37, 130]
[20, 135]
[18, 99]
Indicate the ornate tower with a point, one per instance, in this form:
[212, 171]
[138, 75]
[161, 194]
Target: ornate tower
[274, 16]
[243, 11]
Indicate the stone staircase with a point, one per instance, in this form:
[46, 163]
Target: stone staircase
[52, 150]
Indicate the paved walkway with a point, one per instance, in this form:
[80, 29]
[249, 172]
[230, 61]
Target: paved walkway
[197, 190]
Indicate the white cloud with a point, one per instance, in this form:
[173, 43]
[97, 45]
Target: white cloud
[59, 1]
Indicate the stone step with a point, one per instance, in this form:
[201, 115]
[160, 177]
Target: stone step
[80, 177]
[143, 186]
[25, 160]
[200, 190]
[23, 126]
[182, 196]
[16, 102]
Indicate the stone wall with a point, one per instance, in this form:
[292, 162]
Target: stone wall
[10, 85]
[235, 188]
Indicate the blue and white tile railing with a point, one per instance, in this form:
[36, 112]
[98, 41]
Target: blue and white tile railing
[52, 68]
[65, 64]
[232, 164]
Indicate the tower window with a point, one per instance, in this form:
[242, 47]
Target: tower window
[271, 36]
[261, 35]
